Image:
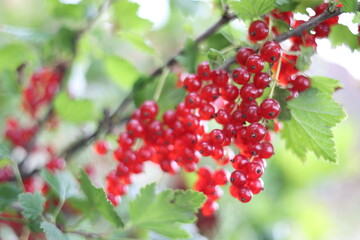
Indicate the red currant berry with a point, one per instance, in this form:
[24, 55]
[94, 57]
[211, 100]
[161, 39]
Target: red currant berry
[149, 109]
[262, 80]
[258, 30]
[270, 51]
[220, 177]
[238, 178]
[243, 54]
[216, 137]
[244, 195]
[255, 185]
[206, 111]
[301, 83]
[241, 75]
[222, 116]
[239, 162]
[249, 92]
[220, 78]
[255, 132]
[230, 92]
[192, 83]
[204, 71]
[267, 150]
[269, 108]
[254, 170]
[255, 63]
[102, 147]
[322, 30]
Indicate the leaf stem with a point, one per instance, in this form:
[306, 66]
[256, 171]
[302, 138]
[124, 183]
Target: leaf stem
[58, 208]
[275, 79]
[161, 84]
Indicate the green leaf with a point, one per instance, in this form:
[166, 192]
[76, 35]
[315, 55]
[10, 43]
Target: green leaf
[325, 84]
[98, 200]
[4, 151]
[75, 110]
[304, 60]
[32, 205]
[121, 72]
[52, 232]
[137, 41]
[15, 54]
[285, 5]
[9, 192]
[62, 182]
[281, 95]
[281, 26]
[189, 57]
[313, 114]
[164, 212]
[250, 9]
[216, 58]
[341, 34]
[126, 18]
[349, 5]
[304, 4]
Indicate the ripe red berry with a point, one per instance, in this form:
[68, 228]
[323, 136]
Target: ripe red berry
[249, 92]
[255, 185]
[149, 109]
[267, 150]
[322, 30]
[243, 54]
[238, 178]
[258, 30]
[255, 132]
[254, 170]
[216, 137]
[204, 71]
[244, 194]
[255, 63]
[230, 92]
[206, 111]
[102, 147]
[239, 162]
[269, 108]
[241, 75]
[220, 78]
[192, 83]
[301, 83]
[220, 177]
[270, 51]
[222, 116]
[262, 80]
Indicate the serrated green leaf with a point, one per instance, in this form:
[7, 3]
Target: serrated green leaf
[32, 205]
[121, 72]
[250, 9]
[216, 58]
[340, 34]
[281, 26]
[285, 5]
[75, 110]
[137, 41]
[63, 183]
[9, 192]
[98, 200]
[281, 95]
[126, 18]
[313, 115]
[164, 212]
[188, 58]
[304, 60]
[349, 5]
[52, 232]
[325, 84]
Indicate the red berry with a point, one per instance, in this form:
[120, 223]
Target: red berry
[270, 51]
[230, 92]
[222, 116]
[102, 147]
[216, 137]
[267, 150]
[322, 30]
[254, 170]
[269, 108]
[243, 54]
[220, 78]
[204, 71]
[262, 80]
[255, 63]
[238, 178]
[244, 194]
[149, 109]
[255, 132]
[209, 208]
[301, 83]
[258, 30]
[239, 162]
[192, 83]
[241, 75]
[220, 177]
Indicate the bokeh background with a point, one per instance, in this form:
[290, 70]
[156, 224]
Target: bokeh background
[302, 200]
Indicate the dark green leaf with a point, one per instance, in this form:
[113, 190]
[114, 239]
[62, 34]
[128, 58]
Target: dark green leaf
[75, 110]
[281, 95]
[121, 72]
[98, 200]
[189, 58]
[304, 60]
[216, 58]
[313, 115]
[62, 182]
[340, 34]
[281, 26]
[52, 232]
[9, 192]
[217, 41]
[32, 205]
[164, 212]
[250, 9]
[285, 5]
[349, 5]
[325, 84]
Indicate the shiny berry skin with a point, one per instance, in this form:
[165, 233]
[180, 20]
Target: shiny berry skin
[262, 80]
[253, 148]
[204, 172]
[230, 92]
[192, 83]
[238, 178]
[216, 137]
[255, 132]
[270, 51]
[222, 116]
[243, 54]
[220, 78]
[204, 71]
[206, 111]
[252, 114]
[220, 177]
[205, 148]
[102, 147]
[269, 108]
[169, 117]
[249, 92]
[192, 100]
[135, 128]
[209, 208]
[239, 162]
[255, 63]
[301, 83]
[241, 75]
[238, 118]
[210, 92]
[256, 185]
[126, 140]
[149, 109]
[254, 170]
[267, 150]
[322, 30]
[258, 30]
[244, 194]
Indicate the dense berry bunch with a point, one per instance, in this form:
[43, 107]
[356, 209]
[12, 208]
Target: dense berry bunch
[41, 89]
[17, 134]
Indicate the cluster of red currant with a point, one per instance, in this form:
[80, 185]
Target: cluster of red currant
[234, 105]
[41, 89]
[17, 134]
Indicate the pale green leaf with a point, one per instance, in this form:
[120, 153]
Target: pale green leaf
[137, 41]
[304, 60]
[216, 58]
[340, 34]
[98, 200]
[325, 84]
[188, 58]
[15, 54]
[250, 9]
[121, 72]
[75, 110]
[63, 183]
[32, 205]
[313, 115]
[164, 212]
[9, 192]
[52, 232]
[349, 5]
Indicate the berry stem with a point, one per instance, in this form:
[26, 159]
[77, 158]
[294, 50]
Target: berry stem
[161, 83]
[275, 79]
